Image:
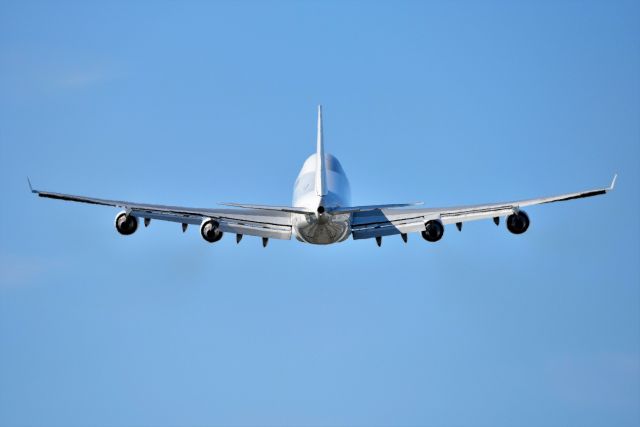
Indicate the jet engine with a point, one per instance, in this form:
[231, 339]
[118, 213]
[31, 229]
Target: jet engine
[518, 222]
[126, 224]
[210, 230]
[433, 230]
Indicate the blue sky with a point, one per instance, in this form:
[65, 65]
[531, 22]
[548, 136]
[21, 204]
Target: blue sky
[192, 103]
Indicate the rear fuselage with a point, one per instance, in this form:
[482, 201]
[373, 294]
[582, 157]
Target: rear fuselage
[321, 228]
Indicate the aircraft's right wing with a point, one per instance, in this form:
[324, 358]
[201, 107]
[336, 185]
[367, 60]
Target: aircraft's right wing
[384, 222]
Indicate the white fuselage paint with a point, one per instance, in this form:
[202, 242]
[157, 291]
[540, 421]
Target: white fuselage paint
[321, 228]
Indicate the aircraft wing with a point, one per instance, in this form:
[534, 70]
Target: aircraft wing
[273, 224]
[385, 222]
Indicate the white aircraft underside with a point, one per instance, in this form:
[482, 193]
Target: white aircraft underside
[321, 212]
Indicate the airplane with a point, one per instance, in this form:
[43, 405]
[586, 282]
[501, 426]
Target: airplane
[321, 212]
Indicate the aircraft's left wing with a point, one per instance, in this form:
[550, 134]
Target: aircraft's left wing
[384, 222]
[264, 223]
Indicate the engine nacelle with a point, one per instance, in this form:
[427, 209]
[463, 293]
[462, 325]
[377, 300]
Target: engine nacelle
[518, 223]
[126, 224]
[433, 230]
[210, 230]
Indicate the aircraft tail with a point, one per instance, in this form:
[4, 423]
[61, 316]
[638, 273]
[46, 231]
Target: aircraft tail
[321, 172]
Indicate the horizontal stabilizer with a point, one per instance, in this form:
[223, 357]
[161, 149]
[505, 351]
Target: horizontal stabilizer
[351, 209]
[270, 208]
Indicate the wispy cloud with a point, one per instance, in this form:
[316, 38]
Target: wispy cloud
[82, 78]
[18, 270]
[24, 74]
[599, 379]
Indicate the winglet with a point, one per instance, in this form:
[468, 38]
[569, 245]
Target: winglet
[31, 187]
[613, 182]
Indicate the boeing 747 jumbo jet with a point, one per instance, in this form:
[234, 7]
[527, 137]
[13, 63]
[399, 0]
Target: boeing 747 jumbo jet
[321, 212]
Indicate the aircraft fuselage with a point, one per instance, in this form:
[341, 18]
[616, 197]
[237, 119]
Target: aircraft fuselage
[321, 228]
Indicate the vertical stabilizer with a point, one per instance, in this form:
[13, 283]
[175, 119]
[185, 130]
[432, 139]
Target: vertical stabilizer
[321, 173]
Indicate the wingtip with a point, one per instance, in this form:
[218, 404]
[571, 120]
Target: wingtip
[31, 186]
[613, 182]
